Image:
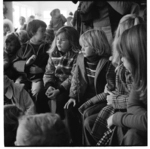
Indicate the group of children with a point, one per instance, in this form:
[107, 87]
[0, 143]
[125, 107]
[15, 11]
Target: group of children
[79, 91]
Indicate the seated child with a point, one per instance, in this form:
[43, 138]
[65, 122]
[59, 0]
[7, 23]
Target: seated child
[36, 47]
[89, 77]
[42, 130]
[19, 96]
[131, 126]
[57, 20]
[57, 76]
[11, 116]
[116, 95]
[12, 45]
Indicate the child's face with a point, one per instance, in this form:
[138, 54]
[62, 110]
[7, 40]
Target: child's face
[40, 34]
[10, 47]
[126, 63]
[87, 50]
[116, 58]
[6, 29]
[62, 43]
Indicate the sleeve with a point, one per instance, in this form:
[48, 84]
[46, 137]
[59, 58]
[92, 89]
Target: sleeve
[27, 102]
[67, 83]
[63, 18]
[136, 116]
[19, 63]
[111, 77]
[23, 99]
[51, 24]
[6, 61]
[120, 101]
[92, 101]
[49, 75]
[74, 83]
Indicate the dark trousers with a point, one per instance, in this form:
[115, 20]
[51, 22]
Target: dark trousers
[73, 121]
[42, 105]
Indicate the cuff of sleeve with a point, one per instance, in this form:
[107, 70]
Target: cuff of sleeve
[48, 85]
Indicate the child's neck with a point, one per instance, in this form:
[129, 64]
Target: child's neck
[34, 41]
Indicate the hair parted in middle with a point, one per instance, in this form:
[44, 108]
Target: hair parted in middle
[33, 26]
[96, 39]
[133, 47]
[125, 23]
[71, 34]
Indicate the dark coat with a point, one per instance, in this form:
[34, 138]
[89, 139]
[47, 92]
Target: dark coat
[79, 81]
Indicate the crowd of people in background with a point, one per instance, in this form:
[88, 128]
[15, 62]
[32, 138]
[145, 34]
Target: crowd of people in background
[79, 81]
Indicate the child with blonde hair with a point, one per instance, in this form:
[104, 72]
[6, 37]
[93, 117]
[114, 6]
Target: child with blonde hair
[42, 130]
[131, 126]
[7, 28]
[116, 93]
[57, 76]
[88, 78]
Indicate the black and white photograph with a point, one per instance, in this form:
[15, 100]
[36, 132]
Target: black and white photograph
[74, 74]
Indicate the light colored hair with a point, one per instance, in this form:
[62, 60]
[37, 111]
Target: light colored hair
[9, 23]
[133, 48]
[125, 23]
[97, 40]
[42, 130]
[71, 34]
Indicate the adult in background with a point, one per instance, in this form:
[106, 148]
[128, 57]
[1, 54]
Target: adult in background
[57, 21]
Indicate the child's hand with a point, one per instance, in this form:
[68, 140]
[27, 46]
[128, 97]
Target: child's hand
[71, 100]
[110, 121]
[49, 91]
[110, 98]
[54, 94]
[35, 69]
[31, 60]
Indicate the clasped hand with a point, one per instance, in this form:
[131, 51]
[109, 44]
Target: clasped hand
[52, 93]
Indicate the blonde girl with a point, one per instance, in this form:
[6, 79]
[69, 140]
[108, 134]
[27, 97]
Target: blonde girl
[89, 78]
[132, 125]
[119, 82]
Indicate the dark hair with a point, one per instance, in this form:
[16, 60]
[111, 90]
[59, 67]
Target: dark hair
[33, 26]
[133, 48]
[53, 12]
[70, 13]
[13, 37]
[71, 34]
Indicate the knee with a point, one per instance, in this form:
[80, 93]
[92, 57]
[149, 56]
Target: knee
[86, 124]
